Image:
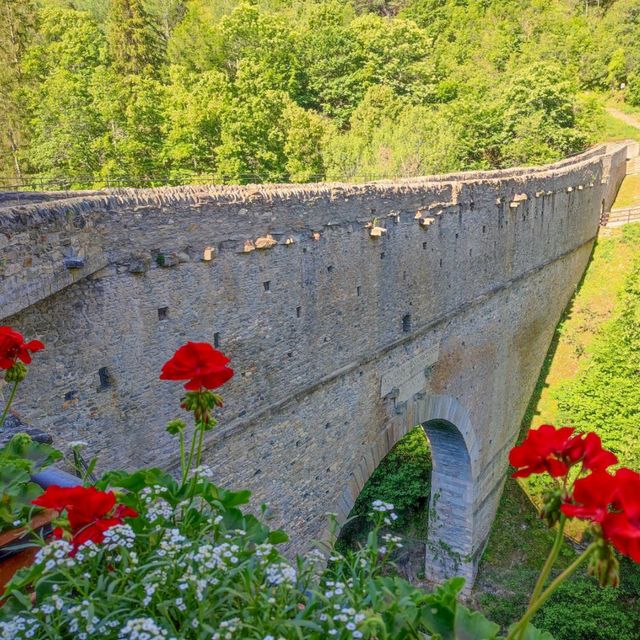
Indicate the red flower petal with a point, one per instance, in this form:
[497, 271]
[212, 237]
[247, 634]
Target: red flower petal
[540, 452]
[56, 497]
[198, 363]
[13, 346]
[591, 497]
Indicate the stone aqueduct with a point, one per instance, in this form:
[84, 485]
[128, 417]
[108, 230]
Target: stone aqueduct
[351, 313]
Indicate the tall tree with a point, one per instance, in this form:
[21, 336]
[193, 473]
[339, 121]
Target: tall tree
[136, 45]
[60, 67]
[17, 27]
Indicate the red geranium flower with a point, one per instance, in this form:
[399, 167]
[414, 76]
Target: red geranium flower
[591, 497]
[200, 364]
[13, 346]
[588, 449]
[90, 512]
[622, 528]
[542, 452]
[59, 498]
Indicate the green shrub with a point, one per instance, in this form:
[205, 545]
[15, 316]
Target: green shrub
[605, 395]
[580, 610]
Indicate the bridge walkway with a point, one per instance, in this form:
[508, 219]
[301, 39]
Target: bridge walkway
[626, 208]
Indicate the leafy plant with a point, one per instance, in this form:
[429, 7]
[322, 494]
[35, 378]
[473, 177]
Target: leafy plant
[19, 459]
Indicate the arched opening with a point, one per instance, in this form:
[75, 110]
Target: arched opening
[450, 536]
[427, 477]
[402, 478]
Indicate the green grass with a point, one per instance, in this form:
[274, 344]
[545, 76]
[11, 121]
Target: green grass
[614, 130]
[629, 194]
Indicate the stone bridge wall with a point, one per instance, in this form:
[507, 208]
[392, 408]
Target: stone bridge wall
[341, 341]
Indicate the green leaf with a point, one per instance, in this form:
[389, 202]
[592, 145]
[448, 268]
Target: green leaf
[37, 455]
[278, 537]
[472, 625]
[531, 633]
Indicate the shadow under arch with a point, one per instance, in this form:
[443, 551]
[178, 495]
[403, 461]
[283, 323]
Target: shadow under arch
[452, 546]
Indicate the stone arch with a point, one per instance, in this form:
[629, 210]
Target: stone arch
[452, 545]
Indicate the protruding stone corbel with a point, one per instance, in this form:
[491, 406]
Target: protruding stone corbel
[517, 199]
[266, 242]
[289, 241]
[248, 246]
[315, 235]
[208, 254]
[425, 222]
[377, 232]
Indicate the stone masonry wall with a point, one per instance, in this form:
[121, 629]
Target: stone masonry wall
[341, 340]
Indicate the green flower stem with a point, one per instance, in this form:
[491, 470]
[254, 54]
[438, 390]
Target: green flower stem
[182, 459]
[200, 442]
[192, 449]
[550, 561]
[517, 633]
[8, 405]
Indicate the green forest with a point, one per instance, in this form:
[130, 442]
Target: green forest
[99, 92]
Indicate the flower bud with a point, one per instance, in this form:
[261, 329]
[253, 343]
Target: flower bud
[174, 427]
[16, 373]
[604, 565]
[217, 400]
[550, 512]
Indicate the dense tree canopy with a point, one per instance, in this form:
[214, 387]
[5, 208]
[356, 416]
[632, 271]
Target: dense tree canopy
[142, 91]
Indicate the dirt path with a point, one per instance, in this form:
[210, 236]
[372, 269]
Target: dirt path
[625, 117]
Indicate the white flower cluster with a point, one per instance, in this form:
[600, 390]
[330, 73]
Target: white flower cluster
[82, 624]
[198, 581]
[152, 582]
[385, 507]
[159, 509]
[142, 629]
[263, 552]
[392, 540]
[54, 603]
[149, 494]
[281, 573]
[350, 618]
[335, 589]
[55, 555]
[315, 556]
[119, 536]
[172, 543]
[86, 551]
[216, 557]
[203, 471]
[379, 505]
[19, 628]
[78, 444]
[227, 629]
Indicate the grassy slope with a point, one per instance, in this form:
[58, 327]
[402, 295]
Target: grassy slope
[519, 541]
[629, 194]
[614, 130]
